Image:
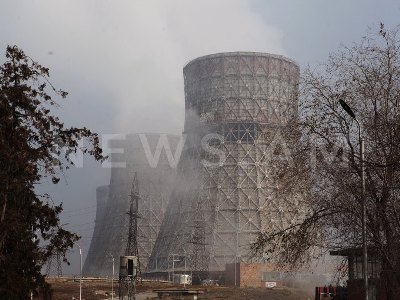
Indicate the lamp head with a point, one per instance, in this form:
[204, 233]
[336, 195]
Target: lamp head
[347, 109]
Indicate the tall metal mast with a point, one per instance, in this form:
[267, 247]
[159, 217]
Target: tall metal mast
[131, 245]
[54, 265]
[198, 257]
[127, 280]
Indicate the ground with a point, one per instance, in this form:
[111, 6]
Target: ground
[67, 288]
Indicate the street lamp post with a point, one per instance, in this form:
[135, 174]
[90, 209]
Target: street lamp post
[363, 204]
[112, 279]
[80, 267]
[34, 240]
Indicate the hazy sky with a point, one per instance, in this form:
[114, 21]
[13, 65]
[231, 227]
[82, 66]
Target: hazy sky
[121, 61]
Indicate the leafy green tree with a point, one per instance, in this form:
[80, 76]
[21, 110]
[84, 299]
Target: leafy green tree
[34, 144]
[327, 162]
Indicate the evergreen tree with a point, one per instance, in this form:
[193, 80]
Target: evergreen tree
[34, 144]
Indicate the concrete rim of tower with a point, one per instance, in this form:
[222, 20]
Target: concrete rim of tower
[242, 53]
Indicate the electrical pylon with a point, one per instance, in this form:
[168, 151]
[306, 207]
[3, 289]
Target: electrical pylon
[198, 259]
[54, 265]
[127, 283]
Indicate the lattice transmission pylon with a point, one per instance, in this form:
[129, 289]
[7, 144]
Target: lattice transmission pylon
[129, 275]
[54, 265]
[198, 258]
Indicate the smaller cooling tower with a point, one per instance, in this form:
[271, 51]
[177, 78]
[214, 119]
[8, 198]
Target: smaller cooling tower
[151, 156]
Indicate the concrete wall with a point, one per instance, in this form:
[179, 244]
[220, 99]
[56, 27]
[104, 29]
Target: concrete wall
[247, 274]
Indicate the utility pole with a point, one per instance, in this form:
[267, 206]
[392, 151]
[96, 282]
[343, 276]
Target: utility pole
[34, 241]
[364, 217]
[363, 201]
[112, 279]
[80, 267]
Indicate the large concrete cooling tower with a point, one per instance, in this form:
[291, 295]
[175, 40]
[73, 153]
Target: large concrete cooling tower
[237, 105]
[151, 156]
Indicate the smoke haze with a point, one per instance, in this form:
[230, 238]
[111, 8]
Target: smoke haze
[121, 61]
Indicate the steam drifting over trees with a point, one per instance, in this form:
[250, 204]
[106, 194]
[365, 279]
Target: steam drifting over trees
[327, 162]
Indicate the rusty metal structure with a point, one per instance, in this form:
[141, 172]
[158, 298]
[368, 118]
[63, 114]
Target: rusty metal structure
[149, 157]
[237, 106]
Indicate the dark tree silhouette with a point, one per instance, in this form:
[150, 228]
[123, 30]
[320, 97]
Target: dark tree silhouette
[33, 144]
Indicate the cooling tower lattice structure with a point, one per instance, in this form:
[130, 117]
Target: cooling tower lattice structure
[150, 156]
[237, 108]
